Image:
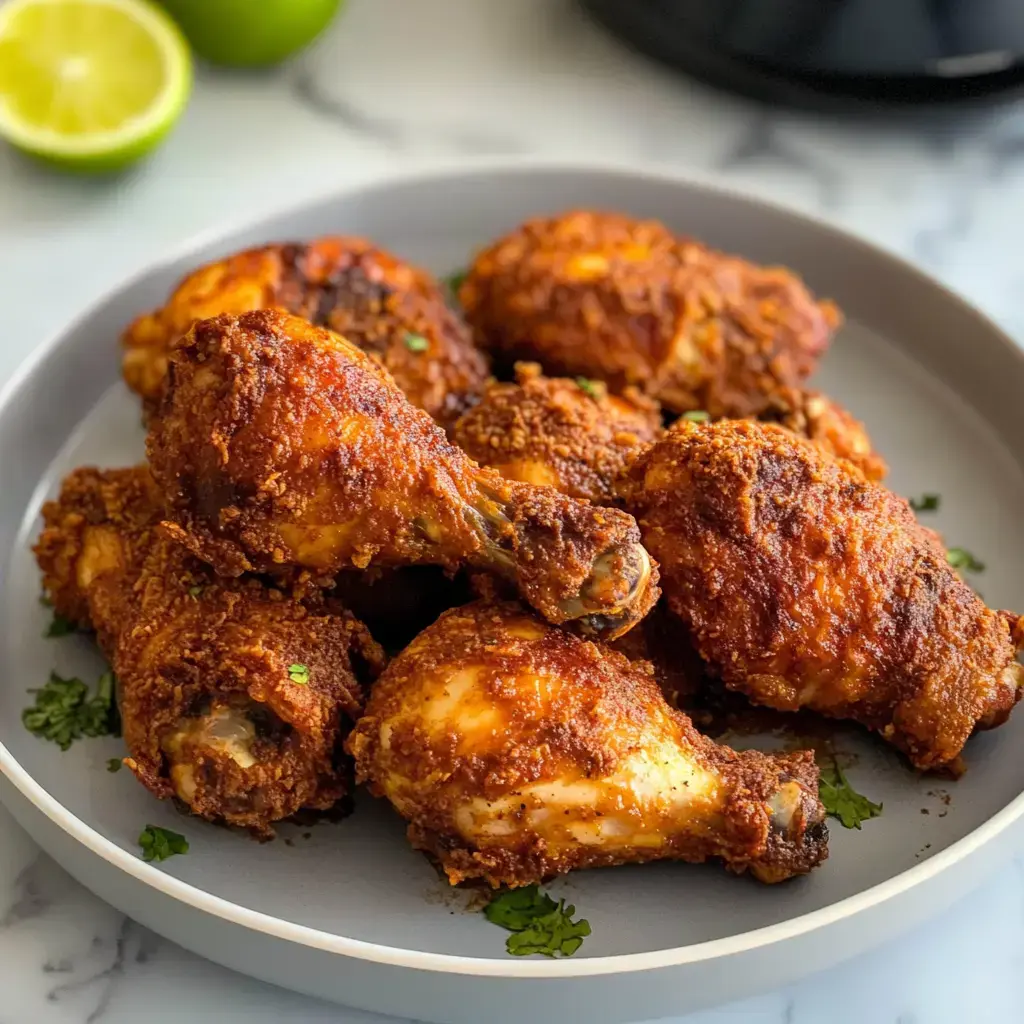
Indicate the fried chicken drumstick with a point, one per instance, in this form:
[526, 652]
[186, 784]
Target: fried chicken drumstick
[824, 421]
[517, 751]
[385, 306]
[232, 694]
[626, 302]
[281, 445]
[806, 585]
[567, 434]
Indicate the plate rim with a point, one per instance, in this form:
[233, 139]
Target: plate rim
[446, 963]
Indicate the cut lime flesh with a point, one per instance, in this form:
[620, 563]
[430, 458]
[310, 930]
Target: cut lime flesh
[90, 83]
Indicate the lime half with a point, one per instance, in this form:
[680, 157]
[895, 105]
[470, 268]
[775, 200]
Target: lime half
[251, 33]
[90, 84]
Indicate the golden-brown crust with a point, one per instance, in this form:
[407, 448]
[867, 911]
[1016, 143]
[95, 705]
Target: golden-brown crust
[824, 421]
[518, 751]
[235, 641]
[93, 544]
[280, 445]
[806, 585]
[568, 434]
[387, 307]
[184, 643]
[621, 300]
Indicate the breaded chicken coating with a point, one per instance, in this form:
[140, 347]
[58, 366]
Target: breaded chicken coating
[95, 539]
[567, 434]
[387, 307]
[282, 447]
[615, 299]
[806, 585]
[233, 696]
[517, 751]
[824, 421]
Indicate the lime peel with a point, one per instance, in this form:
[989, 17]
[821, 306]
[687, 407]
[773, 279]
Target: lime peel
[89, 148]
[251, 33]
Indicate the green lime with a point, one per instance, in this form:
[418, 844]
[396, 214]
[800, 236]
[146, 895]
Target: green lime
[251, 33]
[91, 85]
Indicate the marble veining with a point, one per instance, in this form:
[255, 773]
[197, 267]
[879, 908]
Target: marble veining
[397, 84]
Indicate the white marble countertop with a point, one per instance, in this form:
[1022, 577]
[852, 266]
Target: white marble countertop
[397, 84]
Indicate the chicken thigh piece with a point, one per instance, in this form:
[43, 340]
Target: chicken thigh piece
[806, 585]
[567, 434]
[388, 308]
[517, 751]
[624, 301]
[233, 695]
[282, 446]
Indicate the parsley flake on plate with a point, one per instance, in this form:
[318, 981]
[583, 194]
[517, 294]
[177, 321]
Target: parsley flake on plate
[59, 626]
[588, 387]
[926, 503]
[697, 416]
[416, 342]
[195, 591]
[298, 674]
[64, 710]
[538, 924]
[842, 801]
[961, 558]
[160, 843]
[453, 282]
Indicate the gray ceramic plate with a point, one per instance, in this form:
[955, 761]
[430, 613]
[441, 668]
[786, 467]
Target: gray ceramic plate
[352, 913]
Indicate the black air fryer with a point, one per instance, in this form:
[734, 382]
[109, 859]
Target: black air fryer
[871, 51]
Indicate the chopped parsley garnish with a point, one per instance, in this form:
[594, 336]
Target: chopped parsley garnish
[114, 764]
[961, 558]
[588, 387]
[416, 343]
[298, 674]
[697, 416]
[516, 909]
[64, 711]
[538, 924]
[195, 591]
[842, 801]
[453, 282]
[926, 503]
[59, 626]
[160, 843]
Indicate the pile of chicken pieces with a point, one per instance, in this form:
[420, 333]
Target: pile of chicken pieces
[644, 500]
